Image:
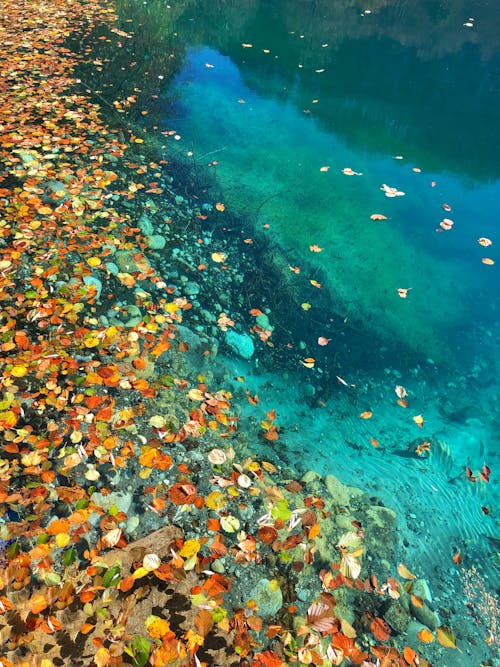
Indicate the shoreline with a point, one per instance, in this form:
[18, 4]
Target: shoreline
[99, 388]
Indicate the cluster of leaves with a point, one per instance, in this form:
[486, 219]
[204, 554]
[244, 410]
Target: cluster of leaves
[77, 397]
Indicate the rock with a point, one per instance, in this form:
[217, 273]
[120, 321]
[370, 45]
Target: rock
[262, 320]
[156, 242]
[309, 476]
[268, 596]
[146, 226]
[426, 615]
[198, 345]
[421, 589]
[191, 288]
[242, 344]
[397, 617]
[95, 282]
[112, 268]
[340, 493]
[380, 524]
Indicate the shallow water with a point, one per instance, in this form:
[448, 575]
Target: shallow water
[270, 102]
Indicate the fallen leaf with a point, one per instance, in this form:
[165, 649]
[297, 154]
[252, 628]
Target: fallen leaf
[446, 637]
[404, 572]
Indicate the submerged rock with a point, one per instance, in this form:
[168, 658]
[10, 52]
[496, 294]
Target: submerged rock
[242, 344]
[156, 242]
[268, 596]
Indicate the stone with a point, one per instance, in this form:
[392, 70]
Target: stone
[309, 476]
[381, 535]
[397, 617]
[146, 226]
[241, 344]
[268, 596]
[341, 493]
[191, 288]
[421, 589]
[93, 281]
[112, 268]
[156, 242]
[426, 616]
[262, 320]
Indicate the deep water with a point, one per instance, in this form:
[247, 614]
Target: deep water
[293, 115]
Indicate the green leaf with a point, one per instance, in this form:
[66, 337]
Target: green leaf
[69, 557]
[81, 504]
[12, 550]
[110, 577]
[139, 650]
[218, 614]
[281, 510]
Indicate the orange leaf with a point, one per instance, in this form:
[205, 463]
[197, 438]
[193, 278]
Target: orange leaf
[409, 655]
[104, 414]
[380, 629]
[38, 603]
[126, 584]
[213, 524]
[203, 622]
[314, 531]
[102, 657]
[58, 526]
[367, 414]
[139, 364]
[182, 494]
[86, 628]
[425, 636]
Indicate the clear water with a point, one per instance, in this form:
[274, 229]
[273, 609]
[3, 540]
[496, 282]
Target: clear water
[261, 95]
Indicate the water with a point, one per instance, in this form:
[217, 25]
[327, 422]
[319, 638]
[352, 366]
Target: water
[294, 115]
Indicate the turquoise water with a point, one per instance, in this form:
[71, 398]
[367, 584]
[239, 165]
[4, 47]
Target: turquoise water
[294, 115]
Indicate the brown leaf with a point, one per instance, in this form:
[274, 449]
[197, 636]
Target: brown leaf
[203, 622]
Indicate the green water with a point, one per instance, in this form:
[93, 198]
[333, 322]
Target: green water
[339, 89]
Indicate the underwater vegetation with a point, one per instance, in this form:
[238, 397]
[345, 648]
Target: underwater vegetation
[140, 524]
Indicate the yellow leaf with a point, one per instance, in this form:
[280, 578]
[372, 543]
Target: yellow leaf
[18, 371]
[158, 627]
[404, 572]
[215, 500]
[190, 548]
[314, 531]
[196, 395]
[140, 572]
[218, 257]
[94, 261]
[220, 206]
[425, 636]
[446, 637]
[102, 657]
[62, 539]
